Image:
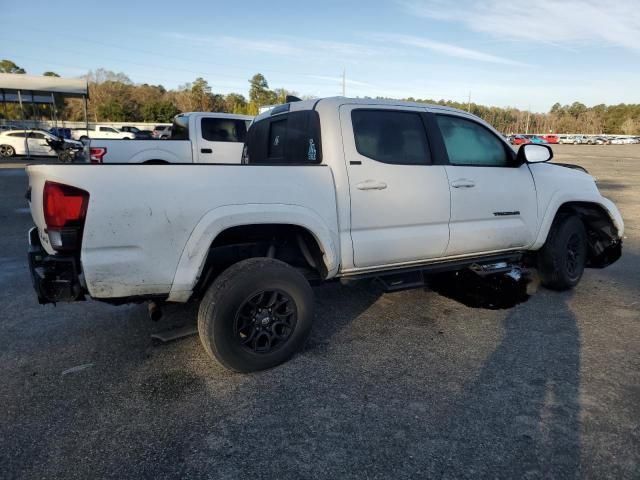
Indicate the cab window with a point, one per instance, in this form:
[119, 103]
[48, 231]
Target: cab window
[469, 143]
[391, 136]
[291, 138]
[223, 129]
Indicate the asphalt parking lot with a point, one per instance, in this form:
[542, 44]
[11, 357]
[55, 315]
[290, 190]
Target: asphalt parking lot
[404, 385]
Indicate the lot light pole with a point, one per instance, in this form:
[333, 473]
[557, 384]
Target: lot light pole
[344, 82]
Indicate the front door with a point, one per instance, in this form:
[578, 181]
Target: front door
[493, 200]
[38, 145]
[399, 198]
[220, 140]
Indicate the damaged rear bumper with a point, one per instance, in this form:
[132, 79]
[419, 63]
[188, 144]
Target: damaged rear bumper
[56, 278]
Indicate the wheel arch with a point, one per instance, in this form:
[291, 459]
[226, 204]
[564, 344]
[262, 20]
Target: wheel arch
[155, 155]
[602, 222]
[229, 225]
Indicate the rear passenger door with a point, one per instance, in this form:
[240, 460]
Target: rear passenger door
[399, 197]
[220, 140]
[493, 198]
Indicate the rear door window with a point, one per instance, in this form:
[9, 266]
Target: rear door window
[224, 130]
[391, 136]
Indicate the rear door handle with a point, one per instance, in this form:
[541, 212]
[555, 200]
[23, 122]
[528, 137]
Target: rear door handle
[371, 185]
[206, 150]
[463, 183]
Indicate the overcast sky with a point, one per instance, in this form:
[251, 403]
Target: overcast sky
[502, 52]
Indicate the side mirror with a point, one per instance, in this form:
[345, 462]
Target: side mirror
[534, 153]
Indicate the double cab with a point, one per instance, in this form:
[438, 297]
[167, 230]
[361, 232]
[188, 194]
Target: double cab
[335, 188]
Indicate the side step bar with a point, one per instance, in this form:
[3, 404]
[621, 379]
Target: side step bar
[414, 277]
[401, 281]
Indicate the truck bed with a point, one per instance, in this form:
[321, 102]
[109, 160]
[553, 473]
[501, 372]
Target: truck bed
[140, 151]
[143, 220]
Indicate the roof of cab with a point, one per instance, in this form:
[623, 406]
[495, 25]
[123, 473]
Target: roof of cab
[217, 115]
[336, 102]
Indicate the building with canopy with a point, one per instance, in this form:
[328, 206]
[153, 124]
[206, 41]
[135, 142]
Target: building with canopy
[24, 89]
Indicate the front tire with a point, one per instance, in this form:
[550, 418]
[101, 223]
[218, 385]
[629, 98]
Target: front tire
[562, 258]
[66, 156]
[256, 315]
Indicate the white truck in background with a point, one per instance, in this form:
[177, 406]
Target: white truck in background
[196, 137]
[100, 131]
[329, 188]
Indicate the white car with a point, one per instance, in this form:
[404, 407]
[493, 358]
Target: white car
[162, 132]
[623, 141]
[100, 131]
[198, 137]
[32, 142]
[334, 188]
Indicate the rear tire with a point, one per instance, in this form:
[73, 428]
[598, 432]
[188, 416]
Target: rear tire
[7, 151]
[256, 315]
[562, 258]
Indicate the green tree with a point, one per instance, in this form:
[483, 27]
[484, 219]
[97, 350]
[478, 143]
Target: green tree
[201, 95]
[111, 111]
[162, 111]
[235, 103]
[50, 74]
[7, 66]
[259, 93]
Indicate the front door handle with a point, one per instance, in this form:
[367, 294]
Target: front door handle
[463, 183]
[206, 150]
[371, 185]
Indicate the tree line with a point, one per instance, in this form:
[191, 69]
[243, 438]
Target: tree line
[114, 97]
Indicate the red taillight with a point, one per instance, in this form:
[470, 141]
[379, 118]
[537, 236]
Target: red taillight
[96, 154]
[65, 209]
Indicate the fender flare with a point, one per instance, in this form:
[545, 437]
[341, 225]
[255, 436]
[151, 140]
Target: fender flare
[219, 219]
[559, 199]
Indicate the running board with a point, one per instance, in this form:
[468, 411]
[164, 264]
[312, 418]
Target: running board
[401, 281]
[438, 267]
[484, 269]
[404, 279]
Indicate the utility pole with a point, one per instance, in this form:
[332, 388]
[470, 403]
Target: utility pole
[344, 82]
[469, 103]
[528, 115]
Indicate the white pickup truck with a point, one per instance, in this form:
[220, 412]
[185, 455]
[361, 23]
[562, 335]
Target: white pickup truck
[100, 131]
[196, 137]
[330, 188]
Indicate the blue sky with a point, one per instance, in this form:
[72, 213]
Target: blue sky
[502, 52]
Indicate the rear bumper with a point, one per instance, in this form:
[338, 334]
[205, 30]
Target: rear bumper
[56, 278]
